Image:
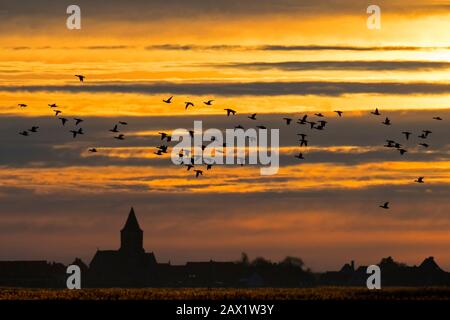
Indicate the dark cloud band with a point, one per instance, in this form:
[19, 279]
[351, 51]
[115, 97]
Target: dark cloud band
[342, 65]
[269, 47]
[321, 88]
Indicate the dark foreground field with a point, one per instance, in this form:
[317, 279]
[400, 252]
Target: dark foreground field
[323, 293]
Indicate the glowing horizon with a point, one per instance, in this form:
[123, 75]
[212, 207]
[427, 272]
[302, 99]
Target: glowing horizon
[59, 199]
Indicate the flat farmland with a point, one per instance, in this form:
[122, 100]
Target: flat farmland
[320, 293]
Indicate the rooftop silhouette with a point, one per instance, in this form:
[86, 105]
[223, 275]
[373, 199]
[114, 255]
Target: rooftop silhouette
[132, 266]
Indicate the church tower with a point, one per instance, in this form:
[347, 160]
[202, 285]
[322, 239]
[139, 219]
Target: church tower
[131, 236]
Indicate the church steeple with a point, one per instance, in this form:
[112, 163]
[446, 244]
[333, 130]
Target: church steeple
[131, 236]
[132, 223]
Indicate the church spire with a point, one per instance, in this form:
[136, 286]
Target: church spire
[132, 224]
[131, 236]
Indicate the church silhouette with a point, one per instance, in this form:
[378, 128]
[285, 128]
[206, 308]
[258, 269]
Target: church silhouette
[128, 266]
[131, 267]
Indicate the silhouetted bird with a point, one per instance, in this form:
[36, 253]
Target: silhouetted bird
[339, 113]
[303, 120]
[312, 123]
[22, 105]
[407, 134]
[208, 103]
[437, 118]
[53, 105]
[163, 148]
[288, 120]
[114, 129]
[423, 136]
[123, 123]
[120, 137]
[426, 145]
[387, 122]
[385, 205]
[189, 166]
[208, 166]
[299, 156]
[57, 112]
[253, 116]
[92, 150]
[427, 132]
[165, 136]
[376, 112]
[198, 173]
[80, 77]
[75, 132]
[77, 121]
[24, 133]
[319, 115]
[33, 129]
[390, 144]
[419, 180]
[230, 111]
[63, 120]
[402, 151]
[168, 100]
[188, 104]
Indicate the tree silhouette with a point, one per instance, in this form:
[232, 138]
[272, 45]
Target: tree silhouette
[244, 259]
[261, 262]
[292, 262]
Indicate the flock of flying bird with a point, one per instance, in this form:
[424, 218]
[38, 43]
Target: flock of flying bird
[76, 130]
[398, 146]
[318, 124]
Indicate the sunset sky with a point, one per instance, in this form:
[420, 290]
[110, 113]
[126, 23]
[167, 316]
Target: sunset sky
[276, 58]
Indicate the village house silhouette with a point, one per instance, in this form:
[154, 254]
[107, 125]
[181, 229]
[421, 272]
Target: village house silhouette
[130, 266]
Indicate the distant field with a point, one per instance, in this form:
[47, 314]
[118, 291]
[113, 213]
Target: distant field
[322, 293]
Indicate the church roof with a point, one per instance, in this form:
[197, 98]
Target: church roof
[104, 258]
[132, 223]
[430, 265]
